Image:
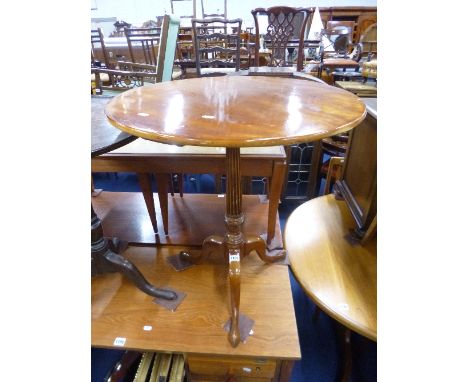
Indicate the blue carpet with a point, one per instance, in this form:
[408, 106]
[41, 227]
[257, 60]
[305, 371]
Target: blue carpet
[318, 337]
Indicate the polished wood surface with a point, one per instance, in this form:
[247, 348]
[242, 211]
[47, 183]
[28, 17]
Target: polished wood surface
[196, 327]
[339, 275]
[236, 111]
[104, 137]
[192, 218]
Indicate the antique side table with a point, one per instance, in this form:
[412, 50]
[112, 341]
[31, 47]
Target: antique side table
[105, 255]
[234, 112]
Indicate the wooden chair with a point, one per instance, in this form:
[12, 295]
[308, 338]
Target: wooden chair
[285, 29]
[98, 48]
[216, 51]
[156, 47]
[345, 54]
[147, 39]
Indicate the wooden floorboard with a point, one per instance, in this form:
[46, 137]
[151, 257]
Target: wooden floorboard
[192, 217]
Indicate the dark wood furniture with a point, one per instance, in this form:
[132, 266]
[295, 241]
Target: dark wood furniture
[286, 28]
[104, 252]
[358, 184]
[232, 111]
[195, 328]
[337, 148]
[217, 52]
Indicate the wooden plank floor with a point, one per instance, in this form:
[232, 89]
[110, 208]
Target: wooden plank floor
[191, 218]
[119, 309]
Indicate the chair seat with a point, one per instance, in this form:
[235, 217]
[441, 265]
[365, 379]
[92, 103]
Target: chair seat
[340, 63]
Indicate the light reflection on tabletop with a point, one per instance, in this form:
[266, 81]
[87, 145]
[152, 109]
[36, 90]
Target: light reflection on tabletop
[236, 111]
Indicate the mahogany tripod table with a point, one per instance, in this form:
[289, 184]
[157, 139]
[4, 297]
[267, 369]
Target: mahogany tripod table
[234, 112]
[104, 252]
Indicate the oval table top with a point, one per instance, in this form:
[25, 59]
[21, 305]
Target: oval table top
[104, 136]
[236, 111]
[340, 277]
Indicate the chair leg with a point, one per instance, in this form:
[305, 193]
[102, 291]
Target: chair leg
[163, 181]
[279, 170]
[180, 184]
[219, 183]
[144, 179]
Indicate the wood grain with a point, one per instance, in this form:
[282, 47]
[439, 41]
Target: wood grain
[191, 218]
[120, 310]
[235, 111]
[339, 276]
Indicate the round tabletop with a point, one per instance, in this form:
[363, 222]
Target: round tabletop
[339, 275]
[236, 111]
[104, 136]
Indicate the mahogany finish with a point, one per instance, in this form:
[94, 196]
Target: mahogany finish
[236, 111]
[104, 137]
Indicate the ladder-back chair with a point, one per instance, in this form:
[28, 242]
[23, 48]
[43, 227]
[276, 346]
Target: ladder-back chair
[217, 52]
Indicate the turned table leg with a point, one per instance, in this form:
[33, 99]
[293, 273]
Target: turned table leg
[233, 245]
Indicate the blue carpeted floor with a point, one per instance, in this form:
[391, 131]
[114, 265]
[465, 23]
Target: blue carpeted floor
[318, 336]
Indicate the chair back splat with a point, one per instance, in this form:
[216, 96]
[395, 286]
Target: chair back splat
[216, 50]
[147, 39]
[285, 29]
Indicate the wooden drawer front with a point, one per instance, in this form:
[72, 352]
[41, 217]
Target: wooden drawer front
[240, 367]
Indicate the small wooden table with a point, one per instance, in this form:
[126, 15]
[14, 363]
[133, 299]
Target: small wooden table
[234, 112]
[105, 255]
[195, 328]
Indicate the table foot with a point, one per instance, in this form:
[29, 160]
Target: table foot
[257, 244]
[104, 259]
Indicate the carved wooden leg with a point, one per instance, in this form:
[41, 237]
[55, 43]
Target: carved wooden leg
[234, 286]
[234, 239]
[163, 180]
[144, 179]
[104, 260]
[257, 244]
[279, 169]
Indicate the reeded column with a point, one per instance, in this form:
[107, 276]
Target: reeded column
[234, 240]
